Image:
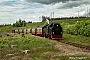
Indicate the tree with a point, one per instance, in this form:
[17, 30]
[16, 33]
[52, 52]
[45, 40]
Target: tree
[19, 23]
[24, 23]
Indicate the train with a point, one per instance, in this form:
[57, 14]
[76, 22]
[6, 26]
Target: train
[52, 31]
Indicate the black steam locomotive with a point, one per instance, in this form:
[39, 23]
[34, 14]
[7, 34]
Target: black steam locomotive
[52, 31]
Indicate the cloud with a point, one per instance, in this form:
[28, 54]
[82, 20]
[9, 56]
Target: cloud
[61, 3]
[11, 11]
[71, 4]
[7, 0]
[3, 1]
[47, 1]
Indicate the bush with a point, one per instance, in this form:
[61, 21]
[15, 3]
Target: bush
[19, 23]
[80, 28]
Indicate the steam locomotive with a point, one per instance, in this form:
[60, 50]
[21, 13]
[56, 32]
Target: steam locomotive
[52, 31]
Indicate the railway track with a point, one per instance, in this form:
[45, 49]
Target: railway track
[84, 47]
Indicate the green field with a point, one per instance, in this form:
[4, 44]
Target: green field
[40, 48]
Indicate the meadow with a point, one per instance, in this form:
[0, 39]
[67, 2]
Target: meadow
[39, 48]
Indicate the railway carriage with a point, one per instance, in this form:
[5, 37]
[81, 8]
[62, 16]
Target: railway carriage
[39, 31]
[33, 31]
[28, 31]
[21, 31]
[16, 31]
[25, 30]
[13, 31]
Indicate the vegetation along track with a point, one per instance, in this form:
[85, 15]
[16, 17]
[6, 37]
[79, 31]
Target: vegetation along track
[86, 48]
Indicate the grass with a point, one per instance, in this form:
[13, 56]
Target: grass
[77, 39]
[71, 21]
[20, 41]
[40, 48]
[36, 46]
[34, 25]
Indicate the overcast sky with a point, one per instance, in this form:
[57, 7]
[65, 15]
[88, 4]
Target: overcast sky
[32, 10]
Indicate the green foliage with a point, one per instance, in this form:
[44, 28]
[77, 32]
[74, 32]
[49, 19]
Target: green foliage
[77, 39]
[40, 48]
[19, 23]
[28, 42]
[6, 29]
[80, 28]
[35, 24]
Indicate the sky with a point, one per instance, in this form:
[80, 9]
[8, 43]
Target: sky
[32, 10]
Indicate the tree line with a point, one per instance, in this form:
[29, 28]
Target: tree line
[20, 23]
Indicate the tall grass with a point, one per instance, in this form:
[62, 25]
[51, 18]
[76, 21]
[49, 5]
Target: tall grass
[77, 39]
